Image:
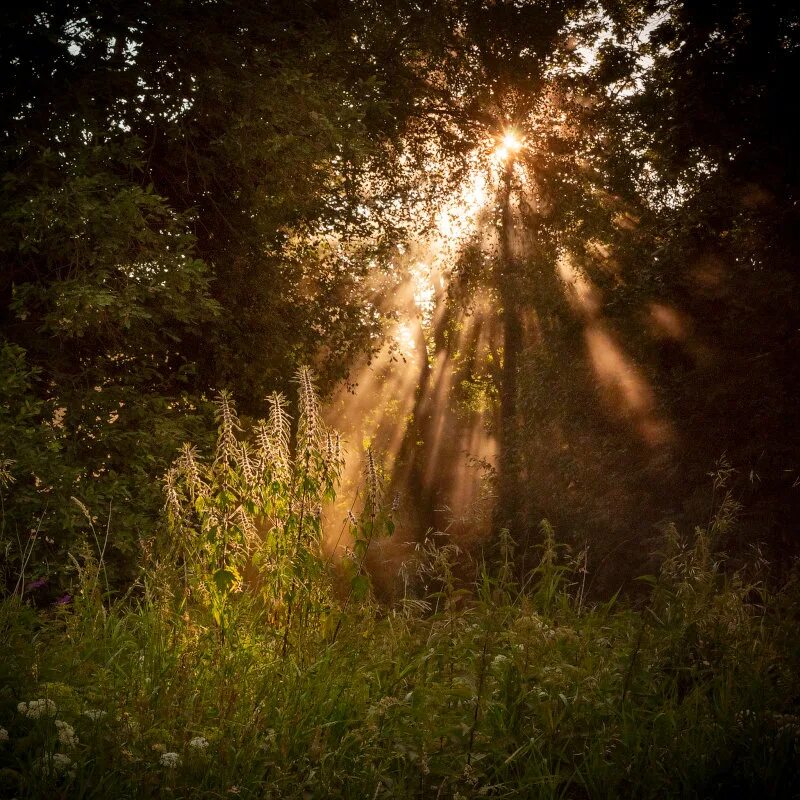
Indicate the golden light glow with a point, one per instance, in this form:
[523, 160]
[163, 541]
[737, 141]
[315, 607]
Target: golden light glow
[623, 385]
[510, 144]
[457, 219]
[424, 401]
[404, 336]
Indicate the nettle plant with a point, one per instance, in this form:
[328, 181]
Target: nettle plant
[250, 518]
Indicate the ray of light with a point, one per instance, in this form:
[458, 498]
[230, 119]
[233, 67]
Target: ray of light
[623, 386]
[403, 398]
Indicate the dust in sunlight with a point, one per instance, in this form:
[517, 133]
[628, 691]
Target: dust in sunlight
[428, 399]
[402, 399]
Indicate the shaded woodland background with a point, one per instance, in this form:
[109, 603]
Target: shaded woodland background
[205, 195]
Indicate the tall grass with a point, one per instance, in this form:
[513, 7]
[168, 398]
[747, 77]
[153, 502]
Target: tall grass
[502, 687]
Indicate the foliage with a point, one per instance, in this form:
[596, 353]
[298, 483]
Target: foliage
[195, 198]
[102, 296]
[499, 690]
[54, 457]
[250, 518]
[254, 506]
[176, 217]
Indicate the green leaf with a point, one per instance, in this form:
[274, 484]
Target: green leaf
[225, 579]
[360, 587]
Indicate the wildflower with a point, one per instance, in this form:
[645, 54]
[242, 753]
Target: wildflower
[66, 734]
[199, 743]
[57, 764]
[63, 764]
[3, 735]
[94, 714]
[424, 764]
[227, 444]
[469, 776]
[745, 717]
[169, 760]
[64, 600]
[34, 709]
[173, 503]
[269, 739]
[373, 483]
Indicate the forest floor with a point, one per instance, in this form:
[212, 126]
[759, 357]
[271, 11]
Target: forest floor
[491, 690]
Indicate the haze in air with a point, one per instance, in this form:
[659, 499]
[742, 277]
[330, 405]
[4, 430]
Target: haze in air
[399, 399]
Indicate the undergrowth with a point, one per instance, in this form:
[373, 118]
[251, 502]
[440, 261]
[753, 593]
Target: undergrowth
[236, 669]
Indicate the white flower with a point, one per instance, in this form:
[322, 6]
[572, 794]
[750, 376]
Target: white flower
[469, 775]
[498, 661]
[170, 760]
[199, 743]
[94, 714]
[63, 763]
[269, 739]
[57, 764]
[34, 709]
[3, 735]
[66, 734]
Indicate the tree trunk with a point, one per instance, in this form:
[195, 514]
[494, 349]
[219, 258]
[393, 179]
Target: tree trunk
[509, 494]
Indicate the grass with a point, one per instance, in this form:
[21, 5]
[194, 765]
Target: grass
[236, 672]
[490, 690]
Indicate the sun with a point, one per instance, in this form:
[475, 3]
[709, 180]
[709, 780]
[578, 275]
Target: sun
[509, 145]
[511, 141]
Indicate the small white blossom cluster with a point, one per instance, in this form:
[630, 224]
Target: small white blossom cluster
[745, 717]
[533, 624]
[199, 743]
[57, 764]
[63, 764]
[34, 709]
[469, 775]
[3, 735]
[94, 714]
[170, 760]
[498, 661]
[269, 739]
[66, 734]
